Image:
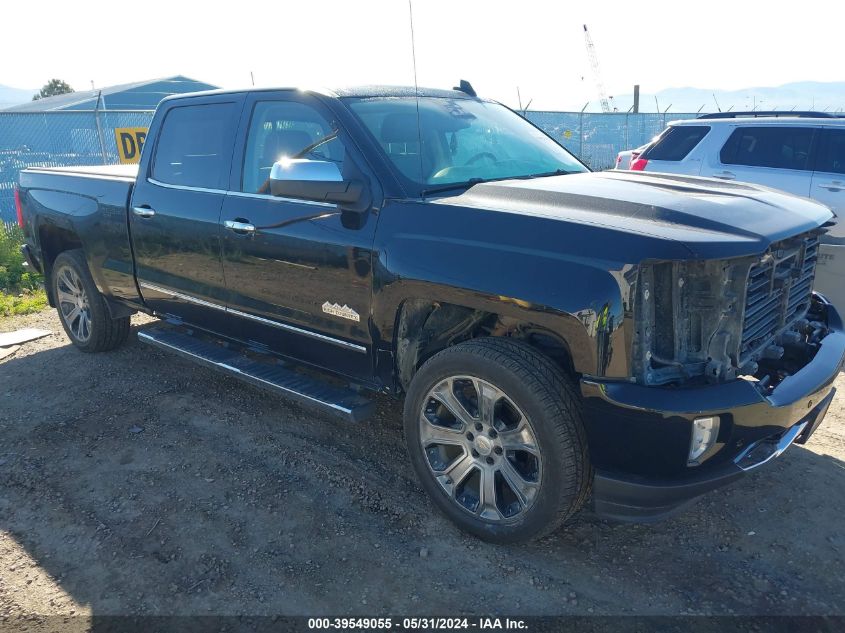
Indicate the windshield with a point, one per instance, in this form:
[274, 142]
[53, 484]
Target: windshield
[459, 140]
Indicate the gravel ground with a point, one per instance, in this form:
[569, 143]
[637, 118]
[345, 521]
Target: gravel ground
[136, 483]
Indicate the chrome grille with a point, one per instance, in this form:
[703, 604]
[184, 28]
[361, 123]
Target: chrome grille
[778, 292]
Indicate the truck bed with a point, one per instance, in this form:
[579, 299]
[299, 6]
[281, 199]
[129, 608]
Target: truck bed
[90, 204]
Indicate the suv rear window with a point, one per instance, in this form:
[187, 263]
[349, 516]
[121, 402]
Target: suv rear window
[832, 152]
[676, 142]
[763, 146]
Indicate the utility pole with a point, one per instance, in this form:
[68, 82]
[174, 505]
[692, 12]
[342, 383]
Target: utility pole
[99, 125]
[636, 98]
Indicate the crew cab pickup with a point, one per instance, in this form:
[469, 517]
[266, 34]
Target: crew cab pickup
[560, 337]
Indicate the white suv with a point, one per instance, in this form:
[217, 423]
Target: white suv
[800, 153]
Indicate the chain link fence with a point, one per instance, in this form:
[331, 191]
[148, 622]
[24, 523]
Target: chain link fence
[598, 138]
[50, 139]
[55, 139]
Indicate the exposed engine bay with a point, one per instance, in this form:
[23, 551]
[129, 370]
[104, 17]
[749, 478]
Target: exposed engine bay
[718, 320]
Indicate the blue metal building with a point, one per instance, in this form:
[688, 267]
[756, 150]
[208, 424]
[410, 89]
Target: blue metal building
[142, 95]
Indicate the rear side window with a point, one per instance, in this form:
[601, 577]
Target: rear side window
[832, 152]
[676, 142]
[775, 147]
[194, 146]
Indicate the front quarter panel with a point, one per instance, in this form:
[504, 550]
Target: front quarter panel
[572, 280]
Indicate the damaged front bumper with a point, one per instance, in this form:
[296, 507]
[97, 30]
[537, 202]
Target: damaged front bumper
[640, 436]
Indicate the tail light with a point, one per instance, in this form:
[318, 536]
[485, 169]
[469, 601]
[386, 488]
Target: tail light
[638, 164]
[19, 207]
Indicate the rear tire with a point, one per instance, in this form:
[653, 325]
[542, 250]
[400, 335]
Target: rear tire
[513, 468]
[82, 309]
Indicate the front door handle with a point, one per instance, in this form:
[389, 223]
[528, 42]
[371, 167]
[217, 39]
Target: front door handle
[725, 175]
[143, 212]
[239, 227]
[836, 185]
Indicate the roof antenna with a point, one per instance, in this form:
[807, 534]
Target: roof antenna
[466, 87]
[416, 86]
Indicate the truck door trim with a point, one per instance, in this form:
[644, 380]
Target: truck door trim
[242, 194]
[182, 296]
[245, 315]
[292, 328]
[263, 196]
[158, 183]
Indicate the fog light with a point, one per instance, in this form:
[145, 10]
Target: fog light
[704, 433]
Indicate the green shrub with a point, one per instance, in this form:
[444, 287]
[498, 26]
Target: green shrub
[25, 303]
[21, 288]
[14, 275]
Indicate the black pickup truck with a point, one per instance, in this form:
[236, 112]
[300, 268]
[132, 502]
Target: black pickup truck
[630, 339]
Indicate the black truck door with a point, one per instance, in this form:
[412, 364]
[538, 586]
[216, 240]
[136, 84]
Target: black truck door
[175, 210]
[299, 274]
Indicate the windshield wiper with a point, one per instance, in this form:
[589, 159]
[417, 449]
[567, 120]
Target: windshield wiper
[466, 184]
[556, 172]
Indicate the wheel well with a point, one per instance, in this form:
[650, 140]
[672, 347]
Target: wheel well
[54, 240]
[426, 327]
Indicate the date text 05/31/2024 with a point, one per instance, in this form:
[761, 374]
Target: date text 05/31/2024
[432, 623]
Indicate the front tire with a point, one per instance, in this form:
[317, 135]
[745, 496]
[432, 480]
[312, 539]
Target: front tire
[495, 435]
[82, 309]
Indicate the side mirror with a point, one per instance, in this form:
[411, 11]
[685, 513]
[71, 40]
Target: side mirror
[316, 180]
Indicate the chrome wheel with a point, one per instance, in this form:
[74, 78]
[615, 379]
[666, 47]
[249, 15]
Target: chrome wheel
[480, 448]
[73, 303]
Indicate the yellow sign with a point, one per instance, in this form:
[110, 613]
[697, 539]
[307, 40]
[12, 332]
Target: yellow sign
[567, 134]
[130, 142]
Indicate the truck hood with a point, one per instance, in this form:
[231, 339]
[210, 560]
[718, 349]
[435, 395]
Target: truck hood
[712, 218]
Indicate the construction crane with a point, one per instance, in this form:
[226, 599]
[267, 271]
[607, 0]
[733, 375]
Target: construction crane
[594, 63]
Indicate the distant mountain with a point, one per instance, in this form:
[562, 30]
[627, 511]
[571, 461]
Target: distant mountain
[14, 96]
[803, 95]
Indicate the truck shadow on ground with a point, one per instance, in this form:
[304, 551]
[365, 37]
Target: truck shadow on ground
[136, 483]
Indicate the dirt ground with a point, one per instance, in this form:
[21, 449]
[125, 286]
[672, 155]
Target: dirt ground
[136, 483]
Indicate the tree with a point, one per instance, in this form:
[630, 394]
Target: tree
[52, 88]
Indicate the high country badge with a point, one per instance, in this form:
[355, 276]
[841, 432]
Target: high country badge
[344, 311]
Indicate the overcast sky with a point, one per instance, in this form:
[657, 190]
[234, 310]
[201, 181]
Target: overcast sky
[496, 44]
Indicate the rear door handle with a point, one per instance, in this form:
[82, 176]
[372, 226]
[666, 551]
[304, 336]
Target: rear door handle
[836, 185]
[143, 212]
[724, 175]
[239, 227]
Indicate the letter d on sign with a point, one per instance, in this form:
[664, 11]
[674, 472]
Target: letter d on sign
[130, 142]
[127, 147]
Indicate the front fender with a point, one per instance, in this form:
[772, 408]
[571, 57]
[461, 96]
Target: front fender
[509, 265]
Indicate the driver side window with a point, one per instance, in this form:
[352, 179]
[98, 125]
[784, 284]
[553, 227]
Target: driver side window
[285, 129]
